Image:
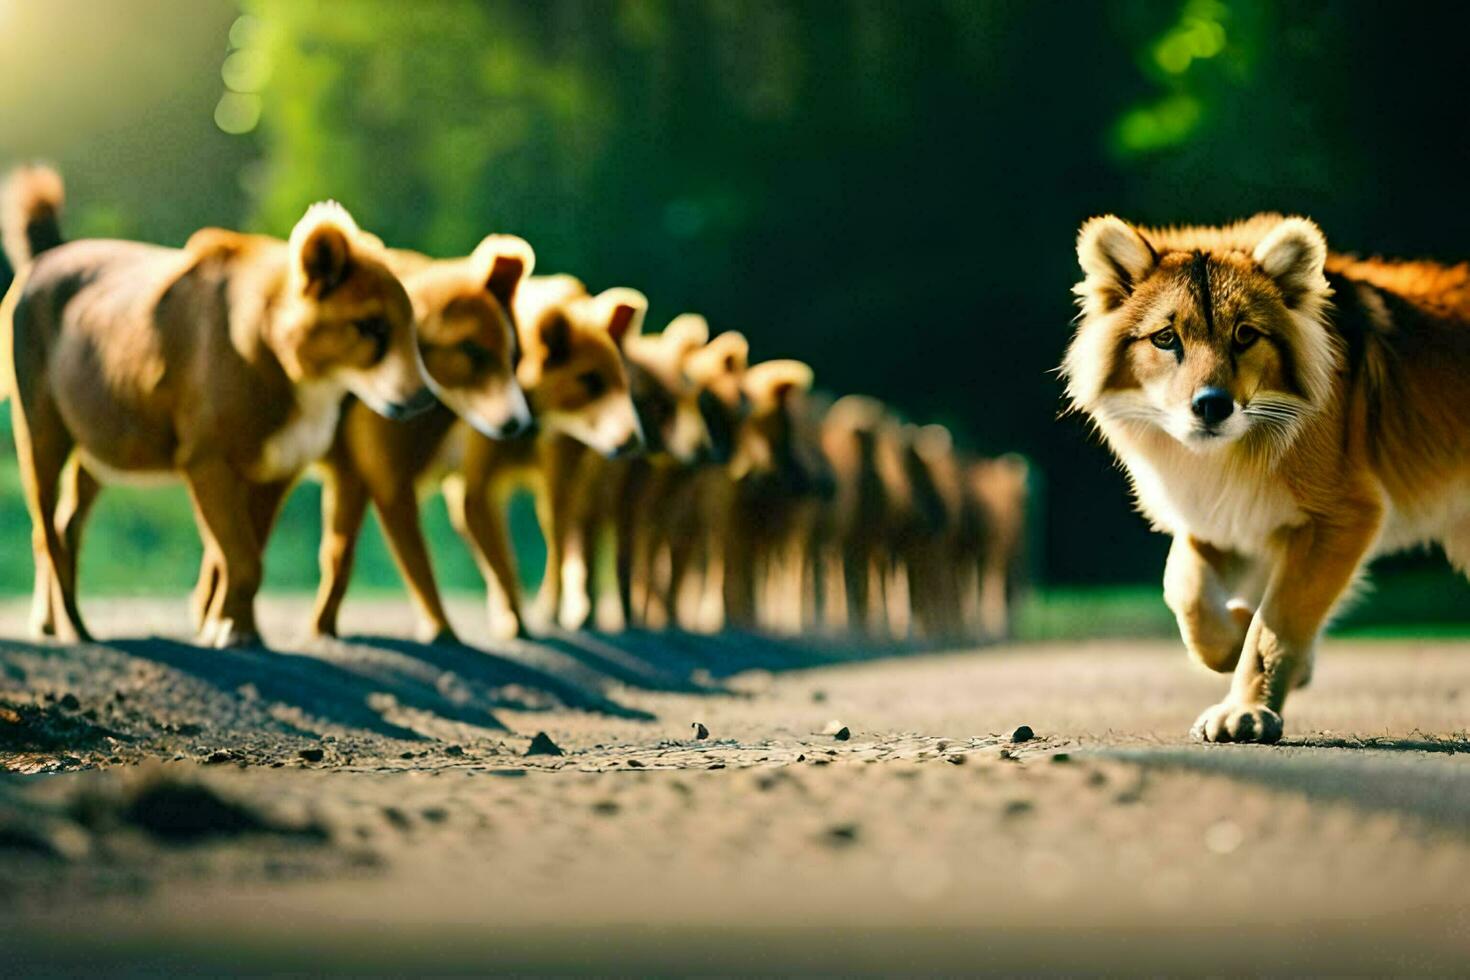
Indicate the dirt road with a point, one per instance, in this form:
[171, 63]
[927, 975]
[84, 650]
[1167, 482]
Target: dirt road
[369, 806]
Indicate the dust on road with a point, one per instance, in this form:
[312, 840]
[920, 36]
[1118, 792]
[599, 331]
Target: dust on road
[369, 805]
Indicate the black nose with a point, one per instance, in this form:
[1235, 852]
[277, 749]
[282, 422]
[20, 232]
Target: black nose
[512, 427]
[1212, 405]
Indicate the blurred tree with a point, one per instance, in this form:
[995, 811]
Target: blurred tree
[886, 188]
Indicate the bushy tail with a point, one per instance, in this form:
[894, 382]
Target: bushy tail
[30, 223]
[30, 213]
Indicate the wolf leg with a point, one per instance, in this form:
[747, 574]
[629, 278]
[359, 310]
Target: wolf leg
[1213, 595]
[79, 490]
[1457, 546]
[1317, 564]
[399, 511]
[223, 503]
[43, 445]
[344, 505]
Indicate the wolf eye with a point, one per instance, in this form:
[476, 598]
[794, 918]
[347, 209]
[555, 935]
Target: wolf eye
[1245, 335]
[594, 384]
[1165, 339]
[478, 356]
[372, 327]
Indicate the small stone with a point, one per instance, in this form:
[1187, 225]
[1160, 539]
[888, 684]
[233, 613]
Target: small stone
[543, 745]
[312, 755]
[715, 765]
[842, 834]
[635, 764]
[842, 734]
[1061, 757]
[216, 758]
[955, 760]
[69, 702]
[455, 750]
[801, 758]
[1023, 734]
[700, 732]
[606, 807]
[819, 696]
[1016, 808]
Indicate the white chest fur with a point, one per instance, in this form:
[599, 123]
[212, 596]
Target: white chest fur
[305, 437]
[1210, 496]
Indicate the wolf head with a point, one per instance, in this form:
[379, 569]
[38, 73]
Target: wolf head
[718, 372]
[572, 367]
[466, 337]
[666, 399]
[1214, 336]
[345, 316]
[778, 447]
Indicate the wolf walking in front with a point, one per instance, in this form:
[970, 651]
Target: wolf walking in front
[1286, 414]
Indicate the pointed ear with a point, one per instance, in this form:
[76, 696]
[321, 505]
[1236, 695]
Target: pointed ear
[508, 260]
[1115, 258]
[733, 349]
[556, 337]
[933, 442]
[774, 382]
[1293, 254]
[784, 389]
[687, 331]
[625, 309]
[321, 247]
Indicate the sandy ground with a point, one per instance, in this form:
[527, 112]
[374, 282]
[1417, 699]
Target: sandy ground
[369, 806]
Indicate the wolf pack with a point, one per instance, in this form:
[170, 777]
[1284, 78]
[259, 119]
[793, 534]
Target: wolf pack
[679, 482]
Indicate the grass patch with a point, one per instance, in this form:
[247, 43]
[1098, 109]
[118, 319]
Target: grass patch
[1403, 598]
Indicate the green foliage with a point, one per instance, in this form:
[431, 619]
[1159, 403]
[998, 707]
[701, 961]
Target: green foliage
[418, 116]
[885, 188]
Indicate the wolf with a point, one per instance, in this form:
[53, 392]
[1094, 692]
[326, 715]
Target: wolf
[224, 362]
[1285, 413]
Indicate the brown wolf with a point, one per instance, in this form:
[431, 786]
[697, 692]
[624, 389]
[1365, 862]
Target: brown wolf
[577, 379]
[856, 537]
[781, 480]
[467, 344]
[993, 542]
[1285, 414]
[575, 384]
[224, 362]
[694, 513]
[614, 500]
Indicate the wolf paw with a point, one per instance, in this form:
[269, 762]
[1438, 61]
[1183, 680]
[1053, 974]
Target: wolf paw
[435, 634]
[1231, 721]
[576, 610]
[229, 635]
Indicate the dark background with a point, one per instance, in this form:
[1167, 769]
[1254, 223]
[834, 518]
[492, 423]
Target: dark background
[888, 189]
